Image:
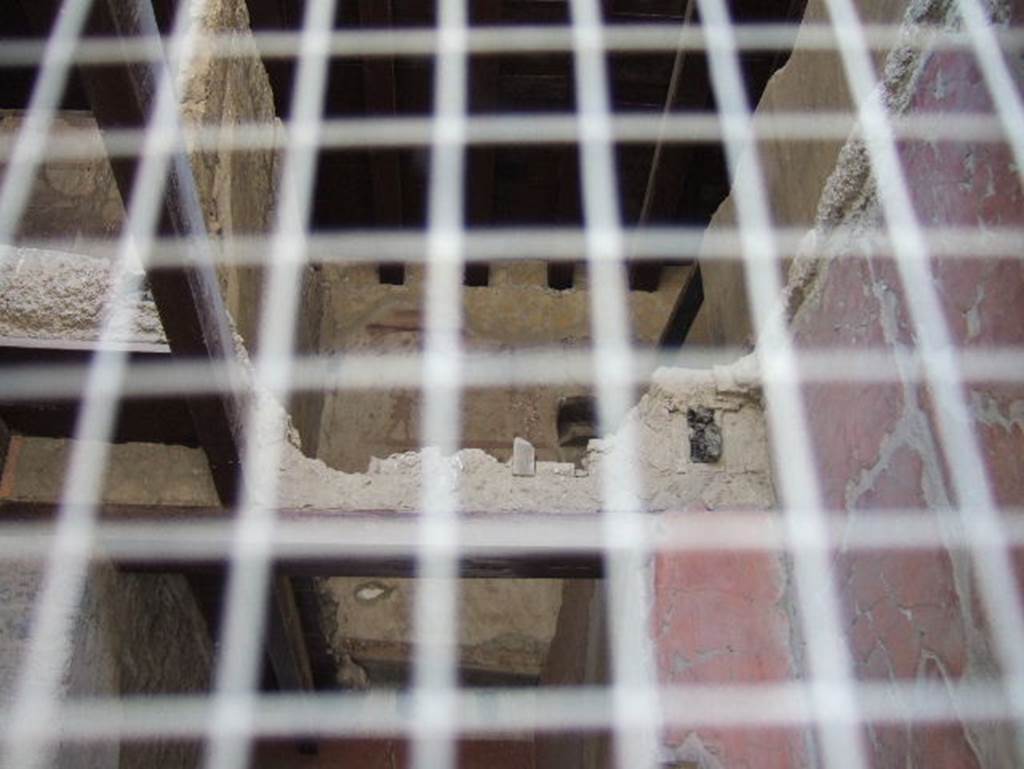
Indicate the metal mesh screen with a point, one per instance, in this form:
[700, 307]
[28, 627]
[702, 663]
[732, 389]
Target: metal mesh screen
[164, 234]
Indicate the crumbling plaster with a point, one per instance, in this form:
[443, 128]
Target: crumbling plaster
[514, 639]
[668, 478]
[63, 296]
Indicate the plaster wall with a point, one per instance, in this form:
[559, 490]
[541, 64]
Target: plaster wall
[73, 205]
[794, 171]
[132, 636]
[506, 627]
[237, 188]
[517, 310]
[909, 615]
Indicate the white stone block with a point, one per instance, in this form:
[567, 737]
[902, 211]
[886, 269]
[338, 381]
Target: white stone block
[523, 461]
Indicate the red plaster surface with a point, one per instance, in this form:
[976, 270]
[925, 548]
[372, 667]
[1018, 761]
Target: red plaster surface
[905, 614]
[720, 618]
[849, 424]
[391, 754]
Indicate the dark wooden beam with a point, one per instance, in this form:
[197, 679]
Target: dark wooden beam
[5, 444]
[568, 211]
[146, 420]
[483, 98]
[378, 543]
[293, 671]
[188, 298]
[687, 305]
[381, 98]
[688, 87]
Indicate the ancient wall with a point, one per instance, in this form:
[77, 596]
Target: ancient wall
[909, 615]
[919, 615]
[913, 615]
[794, 171]
[133, 635]
[517, 310]
[519, 642]
[74, 204]
[237, 188]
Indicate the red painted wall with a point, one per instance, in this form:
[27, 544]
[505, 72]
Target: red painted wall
[918, 615]
[723, 618]
[391, 754]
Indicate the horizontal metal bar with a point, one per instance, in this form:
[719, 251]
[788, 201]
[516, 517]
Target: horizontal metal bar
[531, 367]
[510, 39]
[201, 535]
[404, 132]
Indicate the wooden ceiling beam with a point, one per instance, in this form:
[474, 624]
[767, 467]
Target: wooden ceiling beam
[483, 81]
[148, 420]
[377, 543]
[381, 98]
[666, 178]
[684, 312]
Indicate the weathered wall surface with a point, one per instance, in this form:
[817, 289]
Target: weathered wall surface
[237, 188]
[504, 628]
[132, 635]
[794, 172]
[57, 295]
[909, 615]
[916, 615]
[517, 310]
[669, 481]
[395, 753]
[73, 203]
[726, 618]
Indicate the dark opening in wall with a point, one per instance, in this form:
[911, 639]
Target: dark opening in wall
[705, 435]
[561, 275]
[477, 275]
[577, 425]
[391, 274]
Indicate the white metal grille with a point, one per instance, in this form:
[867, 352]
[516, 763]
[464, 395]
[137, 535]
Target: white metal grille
[437, 711]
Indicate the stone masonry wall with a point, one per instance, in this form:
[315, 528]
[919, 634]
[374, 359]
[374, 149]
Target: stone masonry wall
[237, 188]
